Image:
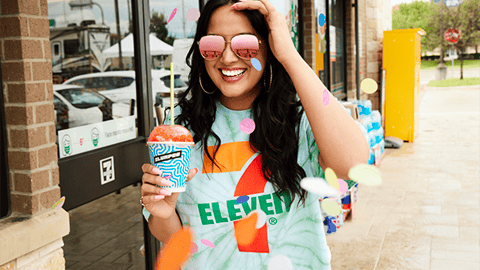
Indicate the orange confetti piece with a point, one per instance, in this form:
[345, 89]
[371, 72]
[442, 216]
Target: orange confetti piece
[176, 251]
[245, 230]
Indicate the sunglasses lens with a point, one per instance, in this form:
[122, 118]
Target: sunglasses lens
[245, 46]
[211, 47]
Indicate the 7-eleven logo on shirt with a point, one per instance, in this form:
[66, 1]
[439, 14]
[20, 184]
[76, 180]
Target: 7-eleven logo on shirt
[232, 157]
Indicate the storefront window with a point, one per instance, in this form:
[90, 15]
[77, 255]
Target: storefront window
[94, 92]
[322, 62]
[337, 49]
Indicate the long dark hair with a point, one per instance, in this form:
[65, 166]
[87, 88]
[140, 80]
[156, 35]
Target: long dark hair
[277, 113]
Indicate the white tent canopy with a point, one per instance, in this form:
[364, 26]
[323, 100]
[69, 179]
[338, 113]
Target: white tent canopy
[157, 47]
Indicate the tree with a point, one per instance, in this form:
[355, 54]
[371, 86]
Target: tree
[435, 27]
[464, 18]
[158, 25]
[413, 15]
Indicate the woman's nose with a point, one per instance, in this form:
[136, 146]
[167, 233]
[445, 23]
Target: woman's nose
[228, 54]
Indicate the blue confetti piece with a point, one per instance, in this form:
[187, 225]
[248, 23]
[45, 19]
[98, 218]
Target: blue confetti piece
[242, 199]
[321, 19]
[256, 64]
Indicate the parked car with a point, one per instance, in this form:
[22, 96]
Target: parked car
[76, 106]
[119, 86]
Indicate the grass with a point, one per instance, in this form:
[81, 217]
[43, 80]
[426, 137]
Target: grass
[456, 64]
[454, 82]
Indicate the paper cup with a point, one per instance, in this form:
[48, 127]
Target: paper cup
[173, 159]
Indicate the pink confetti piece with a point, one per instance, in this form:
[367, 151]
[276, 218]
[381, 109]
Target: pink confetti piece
[343, 186]
[326, 97]
[58, 205]
[194, 248]
[172, 15]
[247, 125]
[207, 243]
[193, 14]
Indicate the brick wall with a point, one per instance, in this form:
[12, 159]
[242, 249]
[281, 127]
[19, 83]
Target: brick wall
[309, 33]
[29, 112]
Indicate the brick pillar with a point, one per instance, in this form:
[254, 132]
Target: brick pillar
[28, 91]
[350, 51]
[309, 33]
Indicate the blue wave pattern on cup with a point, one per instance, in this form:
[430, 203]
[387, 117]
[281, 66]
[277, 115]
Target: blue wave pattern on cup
[173, 160]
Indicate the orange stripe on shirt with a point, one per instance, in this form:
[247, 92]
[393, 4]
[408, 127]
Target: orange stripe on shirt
[231, 157]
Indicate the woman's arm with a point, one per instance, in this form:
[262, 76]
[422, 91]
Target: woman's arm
[340, 141]
[163, 229]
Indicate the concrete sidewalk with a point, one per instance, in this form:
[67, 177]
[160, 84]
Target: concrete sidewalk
[425, 214]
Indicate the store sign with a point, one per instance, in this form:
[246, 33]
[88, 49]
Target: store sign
[74, 141]
[107, 170]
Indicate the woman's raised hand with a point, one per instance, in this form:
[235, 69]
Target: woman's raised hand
[158, 201]
[279, 38]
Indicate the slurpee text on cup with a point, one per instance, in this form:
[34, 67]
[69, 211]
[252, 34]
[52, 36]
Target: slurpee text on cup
[169, 147]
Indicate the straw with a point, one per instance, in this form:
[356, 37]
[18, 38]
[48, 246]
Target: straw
[172, 93]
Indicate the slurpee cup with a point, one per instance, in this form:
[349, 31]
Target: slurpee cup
[169, 147]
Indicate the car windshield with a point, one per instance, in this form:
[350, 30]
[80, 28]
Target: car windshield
[177, 81]
[104, 82]
[81, 98]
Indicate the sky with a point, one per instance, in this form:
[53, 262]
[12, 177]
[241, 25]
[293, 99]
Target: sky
[396, 2]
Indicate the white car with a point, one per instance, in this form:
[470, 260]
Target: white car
[119, 86]
[76, 106]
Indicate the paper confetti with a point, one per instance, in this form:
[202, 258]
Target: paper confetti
[247, 125]
[319, 186]
[194, 248]
[207, 243]
[245, 231]
[59, 203]
[280, 262]
[331, 206]
[172, 15]
[256, 64]
[365, 174]
[326, 97]
[193, 14]
[331, 178]
[369, 86]
[176, 251]
[343, 186]
[261, 220]
[321, 19]
[242, 199]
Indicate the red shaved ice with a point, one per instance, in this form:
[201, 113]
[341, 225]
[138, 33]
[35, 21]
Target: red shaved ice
[169, 133]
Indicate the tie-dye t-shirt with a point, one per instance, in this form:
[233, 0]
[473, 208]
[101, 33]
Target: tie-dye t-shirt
[209, 205]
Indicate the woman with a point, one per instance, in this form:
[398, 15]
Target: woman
[266, 165]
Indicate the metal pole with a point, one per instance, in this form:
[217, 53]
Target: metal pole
[129, 15]
[119, 35]
[101, 9]
[183, 20]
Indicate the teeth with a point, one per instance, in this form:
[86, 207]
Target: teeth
[232, 73]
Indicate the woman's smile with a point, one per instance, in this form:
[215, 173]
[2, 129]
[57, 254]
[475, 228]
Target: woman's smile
[233, 75]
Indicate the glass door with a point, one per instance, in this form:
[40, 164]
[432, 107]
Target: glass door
[336, 38]
[99, 132]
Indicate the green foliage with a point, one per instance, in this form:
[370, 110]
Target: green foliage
[158, 25]
[413, 15]
[454, 82]
[426, 65]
